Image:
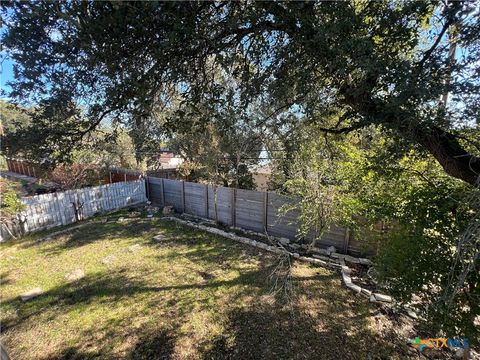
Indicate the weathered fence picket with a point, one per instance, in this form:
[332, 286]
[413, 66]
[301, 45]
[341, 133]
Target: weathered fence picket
[62, 208]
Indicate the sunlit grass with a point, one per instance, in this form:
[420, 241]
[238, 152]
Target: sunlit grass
[191, 295]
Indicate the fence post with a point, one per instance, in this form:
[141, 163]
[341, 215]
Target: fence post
[234, 200]
[163, 194]
[125, 176]
[215, 196]
[110, 176]
[206, 201]
[265, 212]
[147, 188]
[183, 196]
[346, 240]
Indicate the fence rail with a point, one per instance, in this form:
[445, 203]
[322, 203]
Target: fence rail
[62, 208]
[251, 210]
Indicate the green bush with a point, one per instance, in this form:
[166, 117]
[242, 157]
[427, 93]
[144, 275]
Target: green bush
[424, 213]
[10, 203]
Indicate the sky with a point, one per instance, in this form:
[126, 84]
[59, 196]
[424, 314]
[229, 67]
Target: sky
[6, 73]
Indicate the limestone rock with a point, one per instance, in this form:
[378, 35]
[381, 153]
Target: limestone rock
[159, 237]
[276, 250]
[284, 241]
[108, 259]
[134, 248]
[320, 257]
[168, 210]
[76, 274]
[331, 249]
[346, 279]
[319, 251]
[31, 294]
[354, 287]
[382, 297]
[459, 354]
[319, 262]
[412, 314]
[368, 293]
[351, 259]
[364, 261]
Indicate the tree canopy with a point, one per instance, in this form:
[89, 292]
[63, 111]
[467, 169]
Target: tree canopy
[380, 63]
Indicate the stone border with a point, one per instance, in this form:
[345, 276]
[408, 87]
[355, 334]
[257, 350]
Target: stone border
[332, 260]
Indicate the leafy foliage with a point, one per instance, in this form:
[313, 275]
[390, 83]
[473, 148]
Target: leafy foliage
[424, 213]
[10, 203]
[378, 63]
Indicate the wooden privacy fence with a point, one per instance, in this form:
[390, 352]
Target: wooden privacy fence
[22, 167]
[62, 208]
[122, 175]
[250, 210]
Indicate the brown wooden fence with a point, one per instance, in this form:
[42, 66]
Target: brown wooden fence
[122, 175]
[258, 211]
[22, 167]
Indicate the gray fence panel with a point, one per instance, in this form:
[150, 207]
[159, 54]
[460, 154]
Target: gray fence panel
[173, 194]
[245, 209]
[155, 190]
[249, 210]
[224, 204]
[195, 199]
[280, 223]
[211, 202]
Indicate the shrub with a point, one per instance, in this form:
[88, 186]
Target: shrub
[10, 203]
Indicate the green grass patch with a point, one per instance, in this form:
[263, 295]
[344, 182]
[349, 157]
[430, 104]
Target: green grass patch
[191, 296]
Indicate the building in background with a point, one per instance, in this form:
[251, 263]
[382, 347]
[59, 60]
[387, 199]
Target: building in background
[168, 160]
[261, 177]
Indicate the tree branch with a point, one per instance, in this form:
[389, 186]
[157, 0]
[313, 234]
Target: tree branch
[449, 21]
[344, 130]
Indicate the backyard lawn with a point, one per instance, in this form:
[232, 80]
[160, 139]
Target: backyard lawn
[190, 295]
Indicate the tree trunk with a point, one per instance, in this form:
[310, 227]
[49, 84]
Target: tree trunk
[445, 147]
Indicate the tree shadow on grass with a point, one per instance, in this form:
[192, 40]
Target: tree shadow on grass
[73, 353]
[110, 287]
[331, 329]
[101, 232]
[157, 344]
[270, 332]
[90, 233]
[5, 278]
